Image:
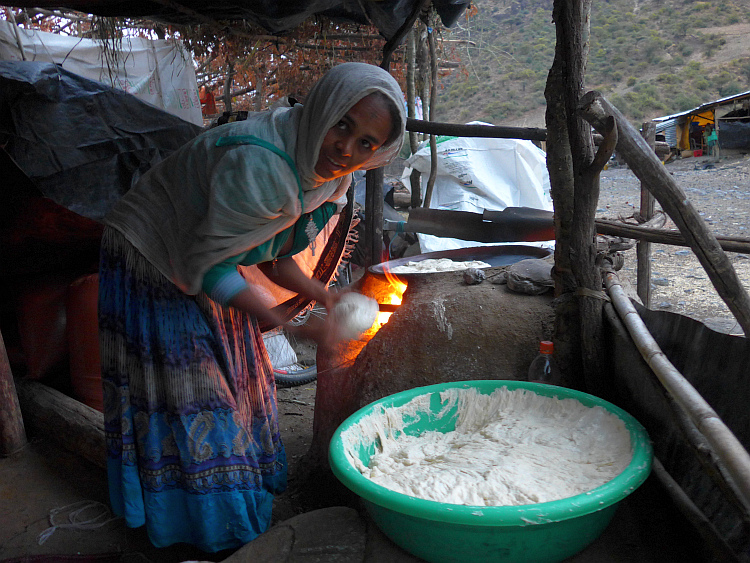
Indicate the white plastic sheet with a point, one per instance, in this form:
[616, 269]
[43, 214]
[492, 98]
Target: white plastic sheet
[158, 72]
[475, 174]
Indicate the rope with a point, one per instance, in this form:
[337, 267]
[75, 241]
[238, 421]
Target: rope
[586, 292]
[76, 520]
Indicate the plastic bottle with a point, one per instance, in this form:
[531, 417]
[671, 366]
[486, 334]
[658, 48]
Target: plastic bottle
[544, 369]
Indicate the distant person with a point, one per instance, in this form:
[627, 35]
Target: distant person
[712, 140]
[193, 445]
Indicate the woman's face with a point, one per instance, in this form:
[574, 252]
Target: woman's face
[350, 143]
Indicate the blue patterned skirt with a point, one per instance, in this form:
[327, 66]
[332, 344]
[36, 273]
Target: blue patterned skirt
[190, 414]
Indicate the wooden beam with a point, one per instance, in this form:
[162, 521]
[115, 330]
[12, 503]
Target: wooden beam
[460, 130]
[75, 426]
[662, 236]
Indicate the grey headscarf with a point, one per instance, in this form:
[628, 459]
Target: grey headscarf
[331, 97]
[206, 203]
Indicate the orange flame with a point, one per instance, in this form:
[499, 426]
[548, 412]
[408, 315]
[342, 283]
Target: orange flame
[398, 288]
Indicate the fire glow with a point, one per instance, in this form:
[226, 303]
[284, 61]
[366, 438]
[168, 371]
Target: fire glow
[397, 289]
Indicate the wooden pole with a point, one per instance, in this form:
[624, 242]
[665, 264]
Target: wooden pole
[661, 236]
[727, 447]
[570, 153]
[415, 180]
[491, 131]
[433, 100]
[227, 96]
[374, 216]
[643, 249]
[12, 432]
[648, 168]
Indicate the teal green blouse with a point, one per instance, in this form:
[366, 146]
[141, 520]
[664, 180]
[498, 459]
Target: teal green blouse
[223, 281]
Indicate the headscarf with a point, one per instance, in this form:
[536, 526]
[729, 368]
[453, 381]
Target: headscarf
[331, 97]
[206, 203]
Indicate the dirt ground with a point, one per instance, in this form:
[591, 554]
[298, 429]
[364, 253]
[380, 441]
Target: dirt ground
[720, 192]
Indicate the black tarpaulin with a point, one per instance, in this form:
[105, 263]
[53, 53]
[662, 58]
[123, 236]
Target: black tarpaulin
[275, 16]
[81, 143]
[718, 366]
[734, 135]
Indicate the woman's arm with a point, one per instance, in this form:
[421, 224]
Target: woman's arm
[286, 273]
[255, 303]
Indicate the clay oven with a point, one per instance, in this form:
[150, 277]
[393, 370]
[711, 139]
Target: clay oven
[444, 330]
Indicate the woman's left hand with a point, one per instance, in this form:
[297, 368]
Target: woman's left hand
[286, 273]
[324, 331]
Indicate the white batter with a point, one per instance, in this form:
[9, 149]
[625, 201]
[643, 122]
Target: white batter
[355, 314]
[512, 447]
[434, 265]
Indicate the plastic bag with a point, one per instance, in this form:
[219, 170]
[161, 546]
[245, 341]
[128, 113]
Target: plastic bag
[475, 174]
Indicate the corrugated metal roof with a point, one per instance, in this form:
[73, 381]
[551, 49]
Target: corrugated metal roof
[702, 107]
[669, 128]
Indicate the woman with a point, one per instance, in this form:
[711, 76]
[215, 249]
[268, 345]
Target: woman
[193, 445]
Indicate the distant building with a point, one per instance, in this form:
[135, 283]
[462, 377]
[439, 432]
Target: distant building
[726, 121]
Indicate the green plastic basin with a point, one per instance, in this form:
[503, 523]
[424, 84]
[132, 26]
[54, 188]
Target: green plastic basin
[440, 532]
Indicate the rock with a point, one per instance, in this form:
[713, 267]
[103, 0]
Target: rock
[473, 276]
[532, 276]
[381, 549]
[330, 535]
[501, 278]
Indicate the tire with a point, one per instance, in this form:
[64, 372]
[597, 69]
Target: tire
[295, 375]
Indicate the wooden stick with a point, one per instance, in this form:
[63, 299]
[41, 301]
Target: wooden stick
[461, 130]
[12, 431]
[729, 450]
[433, 100]
[643, 250]
[595, 109]
[662, 236]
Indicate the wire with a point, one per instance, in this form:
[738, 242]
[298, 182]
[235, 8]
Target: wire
[76, 520]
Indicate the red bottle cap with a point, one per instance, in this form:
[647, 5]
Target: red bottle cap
[546, 347]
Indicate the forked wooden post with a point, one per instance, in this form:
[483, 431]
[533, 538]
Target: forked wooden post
[644, 163]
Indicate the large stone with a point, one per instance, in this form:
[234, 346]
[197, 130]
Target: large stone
[327, 535]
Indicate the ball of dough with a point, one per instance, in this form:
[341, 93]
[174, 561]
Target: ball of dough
[354, 313]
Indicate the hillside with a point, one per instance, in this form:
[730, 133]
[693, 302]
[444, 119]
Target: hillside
[649, 57]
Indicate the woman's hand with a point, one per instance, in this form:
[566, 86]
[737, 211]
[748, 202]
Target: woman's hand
[324, 332]
[286, 273]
